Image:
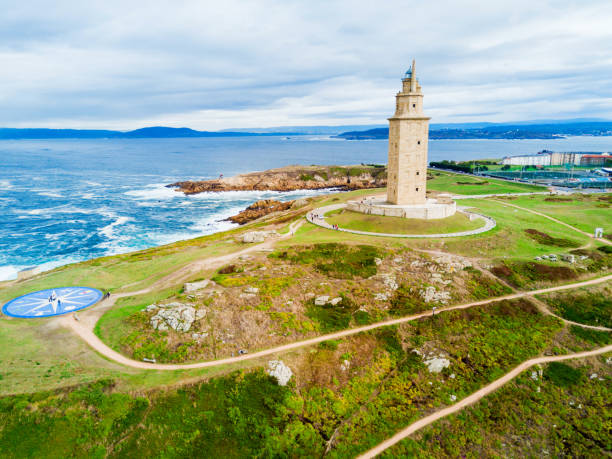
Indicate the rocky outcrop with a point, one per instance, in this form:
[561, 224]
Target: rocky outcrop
[175, 316]
[191, 287]
[259, 209]
[257, 236]
[293, 178]
[281, 372]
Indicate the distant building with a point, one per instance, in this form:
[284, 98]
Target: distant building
[595, 160]
[556, 158]
[540, 159]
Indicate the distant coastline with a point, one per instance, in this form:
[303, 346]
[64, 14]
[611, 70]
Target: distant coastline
[549, 129]
[508, 132]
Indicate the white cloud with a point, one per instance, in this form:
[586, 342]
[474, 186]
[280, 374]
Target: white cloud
[214, 65]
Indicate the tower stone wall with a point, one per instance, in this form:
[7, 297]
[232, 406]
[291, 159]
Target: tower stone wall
[408, 140]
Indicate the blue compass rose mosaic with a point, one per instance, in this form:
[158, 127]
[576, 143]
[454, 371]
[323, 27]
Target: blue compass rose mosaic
[52, 302]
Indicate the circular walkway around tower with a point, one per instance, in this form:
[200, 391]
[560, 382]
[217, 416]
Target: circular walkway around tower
[52, 302]
[310, 216]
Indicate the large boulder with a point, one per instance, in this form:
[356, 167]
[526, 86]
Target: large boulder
[321, 300]
[176, 316]
[437, 364]
[191, 287]
[257, 236]
[281, 372]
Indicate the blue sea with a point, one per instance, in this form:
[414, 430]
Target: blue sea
[63, 201]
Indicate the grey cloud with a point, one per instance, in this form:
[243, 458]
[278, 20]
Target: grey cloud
[213, 65]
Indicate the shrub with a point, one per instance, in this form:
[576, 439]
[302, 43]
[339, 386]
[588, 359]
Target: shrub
[562, 375]
[338, 260]
[547, 239]
[520, 273]
[406, 300]
[332, 317]
[598, 337]
[589, 309]
[228, 269]
[481, 286]
[330, 344]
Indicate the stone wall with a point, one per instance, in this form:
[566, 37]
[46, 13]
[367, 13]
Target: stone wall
[431, 210]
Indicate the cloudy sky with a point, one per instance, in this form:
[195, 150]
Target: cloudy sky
[223, 64]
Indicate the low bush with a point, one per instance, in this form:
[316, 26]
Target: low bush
[599, 337]
[520, 273]
[588, 309]
[547, 239]
[481, 286]
[332, 317]
[337, 260]
[562, 375]
[407, 300]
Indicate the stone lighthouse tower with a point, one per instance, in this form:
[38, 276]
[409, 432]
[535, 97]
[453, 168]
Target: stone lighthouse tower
[408, 134]
[407, 168]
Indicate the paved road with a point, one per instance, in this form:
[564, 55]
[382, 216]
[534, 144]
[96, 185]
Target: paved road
[84, 329]
[473, 398]
[316, 217]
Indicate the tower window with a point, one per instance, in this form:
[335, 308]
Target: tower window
[413, 105]
[418, 142]
[417, 189]
[417, 174]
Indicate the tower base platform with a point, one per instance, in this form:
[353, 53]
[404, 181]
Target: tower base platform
[442, 207]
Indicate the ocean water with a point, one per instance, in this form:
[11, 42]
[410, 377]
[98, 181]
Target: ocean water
[63, 201]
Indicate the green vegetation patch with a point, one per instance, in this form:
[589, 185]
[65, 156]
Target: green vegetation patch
[226, 417]
[341, 261]
[527, 417]
[85, 422]
[562, 374]
[481, 286]
[407, 300]
[332, 317]
[523, 273]
[589, 308]
[547, 239]
[599, 337]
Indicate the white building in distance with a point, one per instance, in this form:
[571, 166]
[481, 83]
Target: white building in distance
[555, 158]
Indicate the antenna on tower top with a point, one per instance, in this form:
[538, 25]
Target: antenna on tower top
[413, 77]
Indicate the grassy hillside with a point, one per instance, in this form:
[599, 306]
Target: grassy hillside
[60, 398]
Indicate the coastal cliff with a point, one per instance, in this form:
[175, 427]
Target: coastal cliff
[293, 178]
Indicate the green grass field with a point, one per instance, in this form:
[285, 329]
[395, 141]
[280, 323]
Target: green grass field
[396, 225]
[138, 269]
[585, 212]
[469, 185]
[508, 238]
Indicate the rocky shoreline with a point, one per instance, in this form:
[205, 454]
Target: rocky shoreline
[293, 178]
[261, 208]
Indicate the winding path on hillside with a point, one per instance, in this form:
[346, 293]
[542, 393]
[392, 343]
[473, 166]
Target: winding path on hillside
[475, 397]
[90, 316]
[84, 329]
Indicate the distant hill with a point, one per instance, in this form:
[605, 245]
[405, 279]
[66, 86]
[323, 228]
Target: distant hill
[157, 132]
[307, 130]
[516, 130]
[499, 131]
